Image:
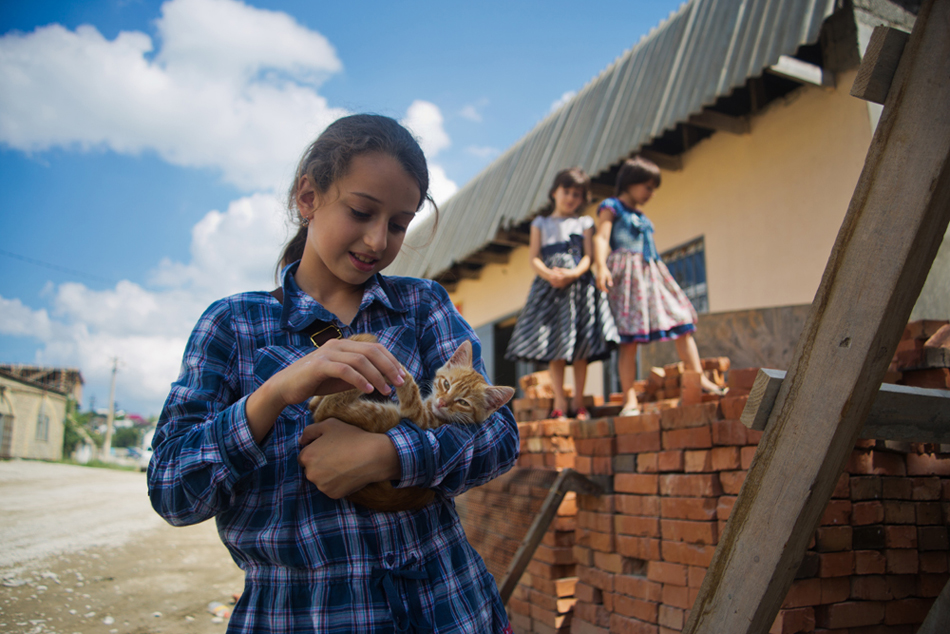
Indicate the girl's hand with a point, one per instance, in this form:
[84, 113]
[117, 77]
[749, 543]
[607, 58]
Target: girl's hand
[603, 278]
[337, 365]
[560, 278]
[341, 459]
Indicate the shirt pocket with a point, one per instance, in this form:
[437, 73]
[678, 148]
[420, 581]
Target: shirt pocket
[270, 360]
[402, 342]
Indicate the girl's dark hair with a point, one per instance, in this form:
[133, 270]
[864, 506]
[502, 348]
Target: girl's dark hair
[329, 157]
[570, 177]
[637, 170]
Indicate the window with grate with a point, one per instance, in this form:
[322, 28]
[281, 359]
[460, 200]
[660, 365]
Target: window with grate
[42, 424]
[687, 265]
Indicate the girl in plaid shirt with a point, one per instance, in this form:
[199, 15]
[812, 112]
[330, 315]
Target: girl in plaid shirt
[235, 442]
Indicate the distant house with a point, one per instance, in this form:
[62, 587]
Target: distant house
[745, 106]
[33, 410]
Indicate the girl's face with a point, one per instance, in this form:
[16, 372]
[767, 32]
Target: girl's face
[567, 200]
[357, 227]
[641, 192]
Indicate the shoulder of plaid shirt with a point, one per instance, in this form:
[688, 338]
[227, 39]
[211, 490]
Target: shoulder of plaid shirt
[206, 464]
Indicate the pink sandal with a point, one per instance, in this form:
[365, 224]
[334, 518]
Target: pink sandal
[582, 414]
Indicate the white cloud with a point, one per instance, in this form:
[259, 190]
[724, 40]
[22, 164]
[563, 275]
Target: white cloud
[482, 151]
[471, 113]
[232, 88]
[19, 320]
[563, 99]
[424, 120]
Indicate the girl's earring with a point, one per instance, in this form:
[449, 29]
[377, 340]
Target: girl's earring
[305, 221]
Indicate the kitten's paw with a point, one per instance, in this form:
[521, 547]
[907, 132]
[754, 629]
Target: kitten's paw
[314, 402]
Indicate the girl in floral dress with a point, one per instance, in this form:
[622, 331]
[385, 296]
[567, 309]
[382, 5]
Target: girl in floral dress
[647, 303]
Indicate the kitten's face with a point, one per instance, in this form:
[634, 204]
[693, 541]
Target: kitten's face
[460, 393]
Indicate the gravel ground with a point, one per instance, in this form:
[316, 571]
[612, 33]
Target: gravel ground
[81, 551]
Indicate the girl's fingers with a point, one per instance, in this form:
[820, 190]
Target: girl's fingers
[310, 433]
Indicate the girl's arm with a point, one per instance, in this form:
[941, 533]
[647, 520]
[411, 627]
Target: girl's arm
[601, 243]
[208, 436]
[534, 253]
[453, 458]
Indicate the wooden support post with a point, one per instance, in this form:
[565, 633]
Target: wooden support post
[899, 412]
[938, 619]
[567, 480]
[880, 63]
[887, 242]
[802, 72]
[720, 122]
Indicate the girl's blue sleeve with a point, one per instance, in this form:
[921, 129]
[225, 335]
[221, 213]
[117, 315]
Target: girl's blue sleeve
[453, 458]
[203, 444]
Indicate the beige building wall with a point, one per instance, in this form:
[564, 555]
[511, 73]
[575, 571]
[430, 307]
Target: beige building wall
[24, 404]
[768, 204]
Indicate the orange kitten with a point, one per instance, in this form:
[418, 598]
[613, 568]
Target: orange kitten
[460, 394]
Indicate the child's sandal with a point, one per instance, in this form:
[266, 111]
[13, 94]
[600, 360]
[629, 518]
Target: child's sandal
[557, 414]
[582, 414]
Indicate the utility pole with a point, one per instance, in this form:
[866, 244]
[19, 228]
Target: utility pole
[107, 445]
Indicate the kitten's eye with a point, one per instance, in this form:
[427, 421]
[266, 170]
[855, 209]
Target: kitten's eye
[463, 403]
[445, 384]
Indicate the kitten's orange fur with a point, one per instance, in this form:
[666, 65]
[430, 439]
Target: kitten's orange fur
[460, 394]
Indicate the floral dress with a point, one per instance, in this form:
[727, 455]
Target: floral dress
[646, 302]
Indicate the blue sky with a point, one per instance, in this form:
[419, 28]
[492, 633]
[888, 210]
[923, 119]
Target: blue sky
[145, 146]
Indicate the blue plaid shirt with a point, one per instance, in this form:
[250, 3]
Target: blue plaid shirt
[314, 564]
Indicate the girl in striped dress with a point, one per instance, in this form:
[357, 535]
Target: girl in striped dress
[646, 302]
[565, 318]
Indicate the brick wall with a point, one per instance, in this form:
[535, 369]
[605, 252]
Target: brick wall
[632, 560]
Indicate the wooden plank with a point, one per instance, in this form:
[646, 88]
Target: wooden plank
[567, 480]
[487, 257]
[802, 72]
[901, 207]
[712, 120]
[879, 65]
[669, 162]
[899, 412]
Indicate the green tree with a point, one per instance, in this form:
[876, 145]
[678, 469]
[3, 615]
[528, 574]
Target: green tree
[127, 437]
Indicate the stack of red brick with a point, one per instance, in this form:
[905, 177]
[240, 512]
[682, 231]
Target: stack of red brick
[922, 358]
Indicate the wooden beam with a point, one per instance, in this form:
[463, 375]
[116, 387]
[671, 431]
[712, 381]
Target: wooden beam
[468, 273]
[880, 63]
[712, 120]
[512, 238]
[901, 205]
[802, 72]
[939, 615]
[567, 480]
[669, 162]
[899, 412]
[487, 257]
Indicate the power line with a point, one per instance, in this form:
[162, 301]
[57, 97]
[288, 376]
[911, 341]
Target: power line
[55, 267]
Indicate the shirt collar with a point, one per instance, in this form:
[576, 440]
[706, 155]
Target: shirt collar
[299, 310]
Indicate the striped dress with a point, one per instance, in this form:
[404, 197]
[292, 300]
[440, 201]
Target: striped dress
[572, 323]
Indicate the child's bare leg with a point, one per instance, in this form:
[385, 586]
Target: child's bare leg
[556, 370]
[688, 353]
[627, 368]
[580, 378]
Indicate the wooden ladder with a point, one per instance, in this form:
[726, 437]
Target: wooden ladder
[884, 250]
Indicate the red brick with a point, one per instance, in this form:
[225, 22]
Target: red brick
[728, 432]
[697, 461]
[588, 593]
[688, 416]
[695, 576]
[803, 592]
[746, 454]
[932, 538]
[613, 562]
[742, 378]
[900, 536]
[602, 522]
[694, 485]
[869, 512]
[637, 424]
[597, 578]
[843, 488]
[932, 378]
[596, 446]
[930, 586]
[595, 540]
[838, 512]
[731, 481]
[689, 531]
[753, 437]
[849, 614]
[835, 589]
[677, 596]
[836, 564]
[688, 508]
[647, 463]
[670, 460]
[725, 458]
[695, 438]
[724, 506]
[793, 621]
[899, 512]
[584, 464]
[635, 608]
[912, 611]
[638, 504]
[637, 525]
[635, 483]
[929, 513]
[869, 562]
[901, 561]
[833, 538]
[866, 488]
[732, 406]
[896, 488]
[665, 572]
[933, 562]
[620, 624]
[598, 503]
[687, 554]
[594, 614]
[645, 548]
[672, 618]
[926, 488]
[593, 428]
[638, 443]
[639, 587]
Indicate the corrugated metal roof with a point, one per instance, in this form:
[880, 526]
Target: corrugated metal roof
[704, 50]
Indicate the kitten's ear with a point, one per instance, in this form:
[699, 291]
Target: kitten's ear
[462, 356]
[495, 397]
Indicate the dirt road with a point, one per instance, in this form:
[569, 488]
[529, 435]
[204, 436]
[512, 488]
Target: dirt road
[81, 551]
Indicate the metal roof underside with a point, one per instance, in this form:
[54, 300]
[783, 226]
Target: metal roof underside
[704, 50]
